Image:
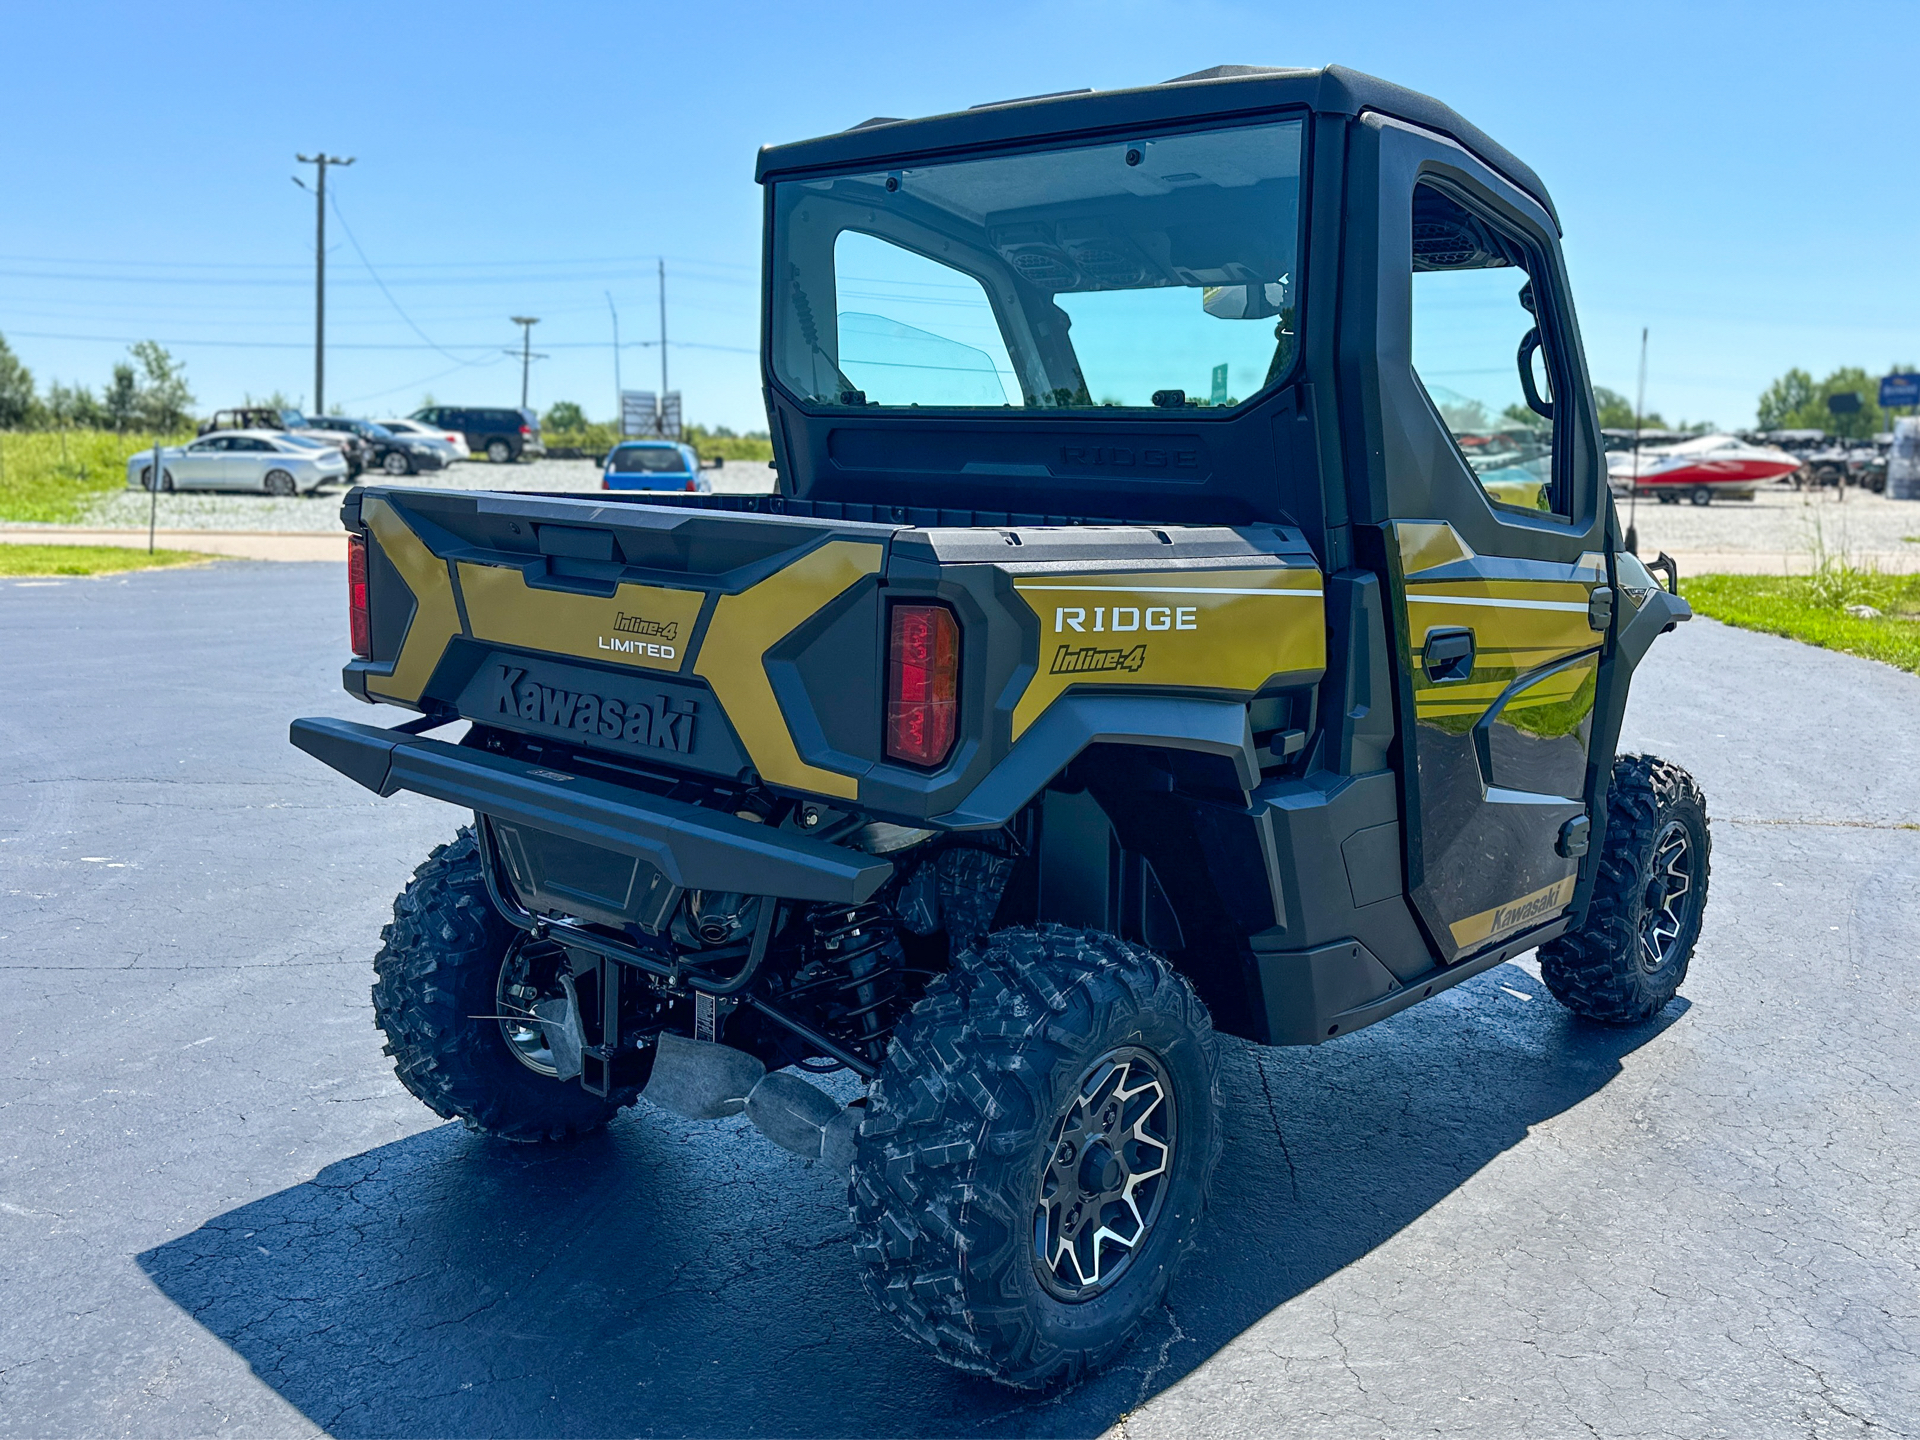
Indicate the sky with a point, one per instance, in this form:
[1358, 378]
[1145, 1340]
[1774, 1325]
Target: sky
[1737, 179]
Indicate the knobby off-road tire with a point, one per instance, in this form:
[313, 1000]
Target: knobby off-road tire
[438, 970]
[966, 1119]
[1629, 957]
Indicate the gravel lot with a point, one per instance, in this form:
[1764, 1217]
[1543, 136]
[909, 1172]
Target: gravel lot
[1775, 531]
[321, 511]
[222, 1215]
[1779, 521]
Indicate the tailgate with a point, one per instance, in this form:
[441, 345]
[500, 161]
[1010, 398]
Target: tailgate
[633, 629]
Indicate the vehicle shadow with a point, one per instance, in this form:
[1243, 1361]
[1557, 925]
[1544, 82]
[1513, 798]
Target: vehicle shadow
[672, 1278]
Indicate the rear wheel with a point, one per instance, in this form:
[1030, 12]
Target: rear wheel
[1629, 957]
[1667, 499]
[1700, 495]
[279, 482]
[1037, 1153]
[451, 967]
[394, 463]
[499, 452]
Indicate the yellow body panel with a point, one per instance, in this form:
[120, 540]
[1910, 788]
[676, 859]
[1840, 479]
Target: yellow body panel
[733, 657]
[1229, 630]
[436, 619]
[1519, 625]
[643, 625]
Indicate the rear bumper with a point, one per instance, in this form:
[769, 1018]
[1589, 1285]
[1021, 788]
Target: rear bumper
[693, 848]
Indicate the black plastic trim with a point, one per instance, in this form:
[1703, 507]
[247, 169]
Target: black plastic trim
[696, 849]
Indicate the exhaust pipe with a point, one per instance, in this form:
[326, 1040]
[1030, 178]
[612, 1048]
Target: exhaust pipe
[705, 1081]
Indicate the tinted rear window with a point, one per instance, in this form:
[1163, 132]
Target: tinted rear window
[647, 460]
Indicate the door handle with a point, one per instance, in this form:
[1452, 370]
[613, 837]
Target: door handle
[1448, 654]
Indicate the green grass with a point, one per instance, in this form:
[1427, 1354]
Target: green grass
[18, 561]
[599, 439]
[1811, 608]
[51, 476]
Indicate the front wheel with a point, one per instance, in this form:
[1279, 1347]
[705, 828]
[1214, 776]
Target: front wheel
[499, 452]
[394, 463]
[1037, 1153]
[453, 980]
[1700, 495]
[166, 480]
[1629, 956]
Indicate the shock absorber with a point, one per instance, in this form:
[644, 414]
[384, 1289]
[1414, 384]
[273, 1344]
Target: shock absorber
[858, 968]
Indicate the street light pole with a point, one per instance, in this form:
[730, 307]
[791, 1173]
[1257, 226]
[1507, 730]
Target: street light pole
[619, 398]
[526, 324]
[320, 161]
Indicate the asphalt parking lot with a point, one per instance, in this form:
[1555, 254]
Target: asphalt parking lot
[222, 1215]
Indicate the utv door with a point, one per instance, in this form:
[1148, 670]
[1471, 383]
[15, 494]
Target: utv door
[1484, 487]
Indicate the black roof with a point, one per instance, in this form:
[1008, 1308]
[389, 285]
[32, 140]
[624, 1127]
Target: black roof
[1223, 92]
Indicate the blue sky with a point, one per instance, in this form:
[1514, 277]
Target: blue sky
[1736, 178]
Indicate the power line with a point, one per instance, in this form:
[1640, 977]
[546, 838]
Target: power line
[351, 345]
[388, 293]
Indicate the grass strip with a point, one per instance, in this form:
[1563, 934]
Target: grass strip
[19, 561]
[1794, 606]
[53, 476]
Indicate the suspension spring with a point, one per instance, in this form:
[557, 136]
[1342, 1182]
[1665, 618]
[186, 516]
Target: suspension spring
[854, 973]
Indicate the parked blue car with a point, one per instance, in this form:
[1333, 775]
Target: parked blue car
[654, 465]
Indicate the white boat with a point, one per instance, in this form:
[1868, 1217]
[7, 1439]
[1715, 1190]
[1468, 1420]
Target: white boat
[1702, 469]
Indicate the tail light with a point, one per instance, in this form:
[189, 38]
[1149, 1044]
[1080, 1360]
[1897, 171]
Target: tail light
[358, 625]
[923, 683]
[526, 430]
[692, 486]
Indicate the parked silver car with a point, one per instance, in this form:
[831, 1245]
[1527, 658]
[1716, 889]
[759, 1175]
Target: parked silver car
[271, 462]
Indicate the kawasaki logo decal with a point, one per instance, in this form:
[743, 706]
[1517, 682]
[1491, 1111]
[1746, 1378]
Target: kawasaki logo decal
[1091, 659]
[1515, 915]
[665, 723]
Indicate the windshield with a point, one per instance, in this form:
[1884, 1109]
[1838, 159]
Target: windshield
[646, 460]
[1158, 272]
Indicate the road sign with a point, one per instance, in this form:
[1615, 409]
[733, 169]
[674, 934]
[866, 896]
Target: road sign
[1900, 390]
[639, 413]
[670, 415]
[1219, 384]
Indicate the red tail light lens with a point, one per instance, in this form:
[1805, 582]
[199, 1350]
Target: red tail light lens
[923, 684]
[359, 626]
[692, 487]
[526, 430]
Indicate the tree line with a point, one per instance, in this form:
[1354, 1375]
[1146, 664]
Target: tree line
[146, 392]
[1796, 401]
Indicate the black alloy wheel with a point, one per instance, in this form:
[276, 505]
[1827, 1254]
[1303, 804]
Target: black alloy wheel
[166, 480]
[1667, 904]
[279, 482]
[1104, 1179]
[529, 975]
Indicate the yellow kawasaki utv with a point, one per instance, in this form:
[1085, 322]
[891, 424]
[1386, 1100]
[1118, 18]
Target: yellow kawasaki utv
[1191, 603]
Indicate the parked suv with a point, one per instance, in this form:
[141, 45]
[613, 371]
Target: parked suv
[501, 435]
[391, 453]
[357, 453]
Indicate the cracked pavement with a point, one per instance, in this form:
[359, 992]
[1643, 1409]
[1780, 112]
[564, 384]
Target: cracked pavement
[222, 1215]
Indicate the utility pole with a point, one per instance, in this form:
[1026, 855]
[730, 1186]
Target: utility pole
[619, 397]
[320, 160]
[526, 324]
[663, 331]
